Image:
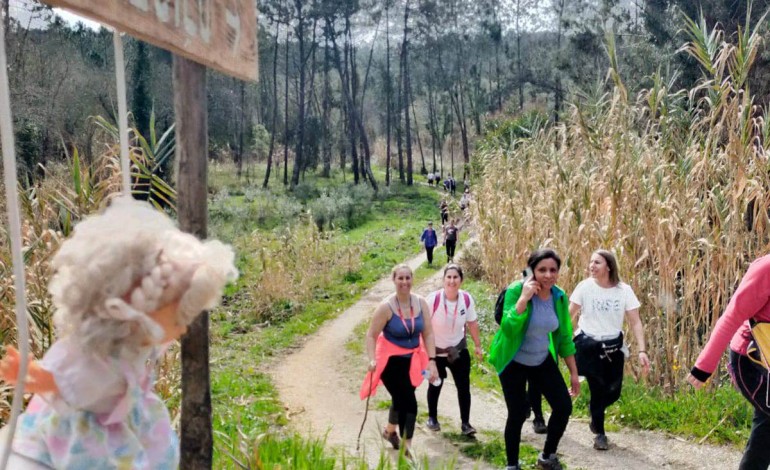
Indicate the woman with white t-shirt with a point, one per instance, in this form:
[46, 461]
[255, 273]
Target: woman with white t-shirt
[602, 301]
[453, 312]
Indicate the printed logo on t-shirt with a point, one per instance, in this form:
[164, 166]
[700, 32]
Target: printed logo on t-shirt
[462, 311]
[605, 305]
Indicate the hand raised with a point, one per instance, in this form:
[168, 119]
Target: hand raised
[530, 289]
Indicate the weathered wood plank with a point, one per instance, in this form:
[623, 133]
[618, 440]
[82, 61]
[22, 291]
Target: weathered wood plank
[221, 34]
[190, 107]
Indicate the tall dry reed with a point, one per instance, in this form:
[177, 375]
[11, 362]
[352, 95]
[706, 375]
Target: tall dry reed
[676, 183]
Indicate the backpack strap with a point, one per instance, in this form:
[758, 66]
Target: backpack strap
[436, 301]
[467, 298]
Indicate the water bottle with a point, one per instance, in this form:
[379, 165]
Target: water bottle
[426, 374]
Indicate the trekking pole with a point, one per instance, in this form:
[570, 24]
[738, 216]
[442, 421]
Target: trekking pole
[366, 413]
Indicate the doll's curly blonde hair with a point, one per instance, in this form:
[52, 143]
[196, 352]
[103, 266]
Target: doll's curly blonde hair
[126, 262]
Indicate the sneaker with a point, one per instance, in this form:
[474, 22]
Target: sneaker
[468, 430]
[600, 442]
[391, 437]
[550, 463]
[538, 425]
[433, 425]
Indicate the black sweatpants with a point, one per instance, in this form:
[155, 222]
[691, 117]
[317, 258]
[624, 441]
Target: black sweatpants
[429, 251]
[535, 400]
[548, 378]
[403, 406]
[751, 380]
[461, 373]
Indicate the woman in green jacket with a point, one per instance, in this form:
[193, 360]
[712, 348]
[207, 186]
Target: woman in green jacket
[534, 331]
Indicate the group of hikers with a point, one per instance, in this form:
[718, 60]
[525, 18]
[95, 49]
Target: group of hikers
[411, 338]
[449, 184]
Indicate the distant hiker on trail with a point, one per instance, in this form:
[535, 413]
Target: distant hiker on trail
[451, 234]
[453, 314]
[447, 183]
[430, 240]
[602, 302]
[444, 208]
[743, 326]
[430, 179]
[452, 185]
[401, 348]
[535, 329]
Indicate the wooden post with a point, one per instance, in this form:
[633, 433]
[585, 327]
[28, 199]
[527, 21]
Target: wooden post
[191, 110]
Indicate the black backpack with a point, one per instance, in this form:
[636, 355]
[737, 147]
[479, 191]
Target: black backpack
[499, 305]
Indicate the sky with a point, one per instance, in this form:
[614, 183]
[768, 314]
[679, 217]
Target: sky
[72, 18]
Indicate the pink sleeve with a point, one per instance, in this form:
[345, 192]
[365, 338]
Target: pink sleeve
[752, 294]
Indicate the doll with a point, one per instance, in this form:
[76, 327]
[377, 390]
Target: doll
[126, 283]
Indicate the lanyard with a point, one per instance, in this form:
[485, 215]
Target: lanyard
[446, 309]
[401, 315]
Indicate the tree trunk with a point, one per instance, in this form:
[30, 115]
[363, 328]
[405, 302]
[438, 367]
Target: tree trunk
[300, 145]
[423, 170]
[397, 118]
[388, 94]
[286, 114]
[190, 108]
[327, 134]
[274, 127]
[407, 98]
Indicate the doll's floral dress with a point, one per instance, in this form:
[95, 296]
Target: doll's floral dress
[106, 416]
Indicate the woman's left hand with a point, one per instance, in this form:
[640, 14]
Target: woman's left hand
[644, 361]
[433, 371]
[479, 353]
[575, 385]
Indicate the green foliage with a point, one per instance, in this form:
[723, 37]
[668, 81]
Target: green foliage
[503, 133]
[261, 142]
[28, 147]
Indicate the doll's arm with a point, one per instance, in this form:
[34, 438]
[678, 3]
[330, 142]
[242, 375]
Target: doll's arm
[38, 380]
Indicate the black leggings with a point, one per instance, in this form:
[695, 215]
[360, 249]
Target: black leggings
[403, 409]
[429, 251]
[605, 387]
[450, 248]
[461, 373]
[548, 378]
[752, 381]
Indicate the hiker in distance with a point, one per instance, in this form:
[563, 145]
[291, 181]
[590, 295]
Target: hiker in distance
[601, 303]
[535, 329]
[453, 315]
[743, 326]
[400, 348]
[429, 238]
[451, 235]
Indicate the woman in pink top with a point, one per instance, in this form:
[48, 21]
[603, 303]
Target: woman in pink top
[750, 303]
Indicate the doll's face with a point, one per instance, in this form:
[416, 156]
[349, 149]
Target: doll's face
[168, 319]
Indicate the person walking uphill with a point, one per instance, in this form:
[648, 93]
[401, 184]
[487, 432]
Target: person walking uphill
[453, 314]
[430, 240]
[535, 330]
[602, 302]
[400, 347]
[740, 325]
[451, 233]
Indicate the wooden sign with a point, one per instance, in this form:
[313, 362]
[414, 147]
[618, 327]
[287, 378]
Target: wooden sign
[221, 34]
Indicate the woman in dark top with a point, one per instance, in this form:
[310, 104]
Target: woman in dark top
[451, 233]
[400, 346]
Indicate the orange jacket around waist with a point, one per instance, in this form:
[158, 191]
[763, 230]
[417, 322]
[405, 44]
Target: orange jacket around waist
[383, 350]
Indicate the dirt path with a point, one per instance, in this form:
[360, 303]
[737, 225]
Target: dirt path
[319, 386]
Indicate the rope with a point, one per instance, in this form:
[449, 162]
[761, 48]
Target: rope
[120, 79]
[366, 413]
[14, 222]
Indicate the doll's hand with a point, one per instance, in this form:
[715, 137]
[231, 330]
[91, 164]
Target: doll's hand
[38, 379]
